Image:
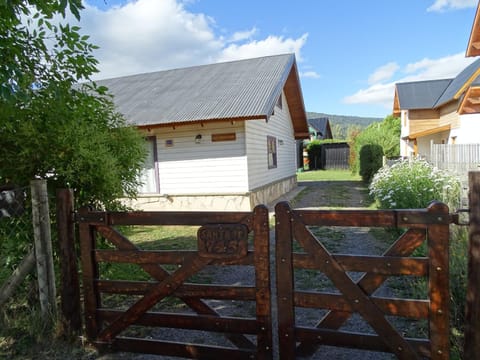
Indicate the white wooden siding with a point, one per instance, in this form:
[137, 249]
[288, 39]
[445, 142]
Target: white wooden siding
[280, 126]
[205, 168]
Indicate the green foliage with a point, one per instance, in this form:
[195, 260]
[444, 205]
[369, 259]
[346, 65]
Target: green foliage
[50, 127]
[411, 184]
[458, 287]
[327, 175]
[386, 134]
[314, 148]
[371, 158]
[37, 51]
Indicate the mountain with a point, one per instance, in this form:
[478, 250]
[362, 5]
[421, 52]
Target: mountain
[341, 123]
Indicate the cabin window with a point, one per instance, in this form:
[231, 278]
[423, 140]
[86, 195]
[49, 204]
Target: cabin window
[149, 174]
[279, 102]
[272, 152]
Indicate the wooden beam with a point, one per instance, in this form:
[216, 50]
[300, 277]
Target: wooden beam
[476, 45]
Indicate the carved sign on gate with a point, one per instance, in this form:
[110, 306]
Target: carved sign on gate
[223, 240]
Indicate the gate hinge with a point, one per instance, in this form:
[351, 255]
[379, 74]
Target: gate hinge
[459, 217]
[96, 217]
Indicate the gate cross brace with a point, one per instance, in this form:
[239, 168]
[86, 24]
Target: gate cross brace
[357, 298]
[157, 272]
[369, 282]
[153, 296]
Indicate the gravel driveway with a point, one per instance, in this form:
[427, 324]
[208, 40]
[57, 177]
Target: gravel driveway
[336, 194]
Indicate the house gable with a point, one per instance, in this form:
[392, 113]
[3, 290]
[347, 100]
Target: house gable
[321, 128]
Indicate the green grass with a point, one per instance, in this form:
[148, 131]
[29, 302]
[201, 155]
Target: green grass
[328, 175]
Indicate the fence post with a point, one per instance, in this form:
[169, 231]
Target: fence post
[472, 311]
[43, 247]
[69, 283]
[284, 279]
[9, 287]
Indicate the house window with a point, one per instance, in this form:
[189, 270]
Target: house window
[272, 152]
[149, 174]
[279, 102]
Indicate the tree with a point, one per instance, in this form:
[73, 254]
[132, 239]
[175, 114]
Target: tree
[51, 126]
[385, 134]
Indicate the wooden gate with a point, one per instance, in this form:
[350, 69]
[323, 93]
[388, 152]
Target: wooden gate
[224, 239]
[357, 296]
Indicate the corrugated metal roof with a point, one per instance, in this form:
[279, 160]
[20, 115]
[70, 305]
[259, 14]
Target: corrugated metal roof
[237, 89]
[421, 94]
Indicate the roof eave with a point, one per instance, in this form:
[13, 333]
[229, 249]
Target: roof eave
[470, 103]
[396, 104]
[473, 47]
[200, 121]
[293, 93]
[428, 132]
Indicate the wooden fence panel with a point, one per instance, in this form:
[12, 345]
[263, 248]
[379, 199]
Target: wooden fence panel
[292, 225]
[230, 230]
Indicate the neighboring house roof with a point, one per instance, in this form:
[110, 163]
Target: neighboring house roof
[432, 94]
[236, 90]
[460, 83]
[420, 94]
[321, 125]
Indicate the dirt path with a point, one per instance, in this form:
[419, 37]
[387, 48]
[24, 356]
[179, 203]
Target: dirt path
[328, 194]
[356, 241]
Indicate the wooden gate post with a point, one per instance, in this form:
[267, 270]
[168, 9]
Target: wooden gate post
[43, 247]
[285, 286]
[472, 311]
[69, 283]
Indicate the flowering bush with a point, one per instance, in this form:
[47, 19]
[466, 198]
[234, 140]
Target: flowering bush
[413, 184]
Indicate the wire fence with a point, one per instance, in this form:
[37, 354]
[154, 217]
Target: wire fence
[16, 229]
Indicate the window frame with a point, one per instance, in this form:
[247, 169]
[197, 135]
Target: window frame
[152, 145]
[272, 152]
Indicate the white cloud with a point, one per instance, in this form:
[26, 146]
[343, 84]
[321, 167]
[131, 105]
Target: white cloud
[446, 67]
[426, 69]
[376, 94]
[270, 46]
[384, 72]
[243, 35]
[310, 74]
[151, 35]
[443, 5]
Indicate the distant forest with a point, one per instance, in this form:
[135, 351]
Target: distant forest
[341, 124]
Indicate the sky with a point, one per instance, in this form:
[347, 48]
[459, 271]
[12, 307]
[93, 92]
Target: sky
[350, 53]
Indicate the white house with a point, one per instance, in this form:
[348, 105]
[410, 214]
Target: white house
[220, 136]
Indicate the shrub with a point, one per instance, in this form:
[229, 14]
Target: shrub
[370, 161]
[413, 184]
[314, 148]
[385, 134]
